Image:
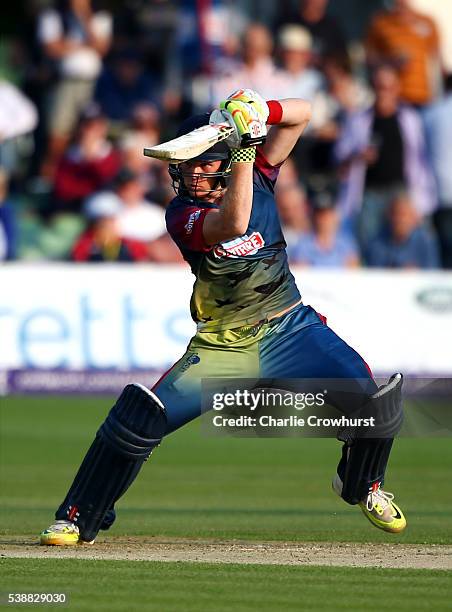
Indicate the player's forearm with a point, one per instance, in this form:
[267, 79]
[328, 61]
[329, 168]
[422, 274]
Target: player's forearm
[233, 216]
[282, 137]
[238, 200]
[295, 112]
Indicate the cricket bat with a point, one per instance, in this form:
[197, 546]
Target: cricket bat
[190, 145]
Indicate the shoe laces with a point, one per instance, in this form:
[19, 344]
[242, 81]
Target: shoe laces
[379, 497]
[60, 524]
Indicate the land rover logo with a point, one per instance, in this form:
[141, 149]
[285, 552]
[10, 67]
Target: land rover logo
[437, 299]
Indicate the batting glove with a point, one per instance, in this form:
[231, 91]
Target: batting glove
[251, 97]
[249, 129]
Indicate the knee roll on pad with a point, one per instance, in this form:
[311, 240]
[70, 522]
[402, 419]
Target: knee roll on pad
[366, 451]
[385, 406]
[133, 428]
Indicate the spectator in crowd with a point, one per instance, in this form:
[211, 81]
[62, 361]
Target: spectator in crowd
[143, 221]
[101, 241]
[205, 44]
[144, 124]
[18, 116]
[144, 131]
[292, 209]
[327, 35]
[406, 243]
[257, 68]
[124, 85]
[288, 174]
[37, 73]
[344, 94]
[150, 26]
[326, 245]
[294, 51]
[8, 231]
[76, 38]
[90, 163]
[139, 219]
[439, 11]
[410, 40]
[380, 151]
[438, 123]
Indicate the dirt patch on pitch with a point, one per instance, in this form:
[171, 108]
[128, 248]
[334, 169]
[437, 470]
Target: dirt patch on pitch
[221, 551]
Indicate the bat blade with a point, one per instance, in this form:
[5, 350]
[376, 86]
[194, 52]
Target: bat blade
[190, 145]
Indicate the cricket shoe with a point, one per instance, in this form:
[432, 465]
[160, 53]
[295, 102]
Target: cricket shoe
[379, 508]
[62, 533]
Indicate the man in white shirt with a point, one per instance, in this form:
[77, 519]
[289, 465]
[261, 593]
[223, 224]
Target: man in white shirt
[139, 219]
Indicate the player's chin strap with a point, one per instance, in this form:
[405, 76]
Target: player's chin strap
[133, 428]
[366, 450]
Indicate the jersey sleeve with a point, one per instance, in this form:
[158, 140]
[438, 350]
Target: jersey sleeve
[184, 224]
[265, 174]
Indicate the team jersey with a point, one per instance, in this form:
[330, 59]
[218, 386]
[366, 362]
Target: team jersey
[240, 281]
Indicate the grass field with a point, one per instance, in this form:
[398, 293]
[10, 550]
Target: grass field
[118, 585]
[198, 487]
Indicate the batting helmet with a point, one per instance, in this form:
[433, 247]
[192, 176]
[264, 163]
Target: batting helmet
[219, 152]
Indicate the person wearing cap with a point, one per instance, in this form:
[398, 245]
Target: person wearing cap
[101, 241]
[327, 33]
[294, 50]
[326, 246]
[89, 164]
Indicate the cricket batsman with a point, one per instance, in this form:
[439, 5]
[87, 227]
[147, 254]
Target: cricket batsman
[251, 323]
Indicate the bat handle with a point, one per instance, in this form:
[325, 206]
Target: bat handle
[247, 141]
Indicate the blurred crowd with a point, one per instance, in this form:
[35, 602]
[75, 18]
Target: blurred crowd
[84, 87]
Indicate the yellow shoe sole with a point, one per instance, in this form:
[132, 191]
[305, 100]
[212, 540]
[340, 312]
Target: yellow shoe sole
[396, 526]
[59, 539]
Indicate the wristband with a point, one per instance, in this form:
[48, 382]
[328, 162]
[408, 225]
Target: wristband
[275, 112]
[246, 156]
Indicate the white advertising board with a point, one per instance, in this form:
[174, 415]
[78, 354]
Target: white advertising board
[137, 316]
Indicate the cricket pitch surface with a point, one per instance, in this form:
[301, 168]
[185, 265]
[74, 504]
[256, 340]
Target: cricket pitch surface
[411, 556]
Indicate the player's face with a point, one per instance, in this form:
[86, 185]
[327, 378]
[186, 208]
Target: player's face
[197, 183]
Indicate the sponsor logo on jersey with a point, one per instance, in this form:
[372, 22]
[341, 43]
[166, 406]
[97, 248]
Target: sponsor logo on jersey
[192, 359]
[240, 247]
[191, 221]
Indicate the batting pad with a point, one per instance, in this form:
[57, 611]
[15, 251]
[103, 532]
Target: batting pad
[133, 428]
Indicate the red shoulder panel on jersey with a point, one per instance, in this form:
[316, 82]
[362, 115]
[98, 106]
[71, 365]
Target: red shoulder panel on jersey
[263, 165]
[185, 227]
